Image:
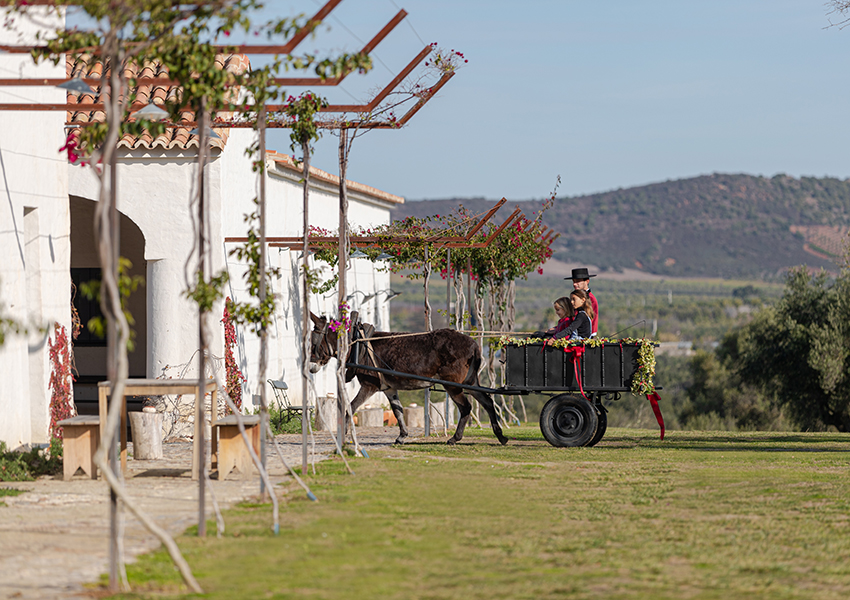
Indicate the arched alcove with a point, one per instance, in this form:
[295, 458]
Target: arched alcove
[89, 351]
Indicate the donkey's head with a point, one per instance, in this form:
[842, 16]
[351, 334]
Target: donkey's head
[322, 343]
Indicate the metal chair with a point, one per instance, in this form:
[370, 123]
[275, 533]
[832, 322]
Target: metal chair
[281, 398]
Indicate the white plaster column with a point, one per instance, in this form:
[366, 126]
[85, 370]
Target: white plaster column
[172, 330]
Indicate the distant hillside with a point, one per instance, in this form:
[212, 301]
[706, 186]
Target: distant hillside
[711, 226]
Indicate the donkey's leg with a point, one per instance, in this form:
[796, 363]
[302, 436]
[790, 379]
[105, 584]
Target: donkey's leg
[366, 391]
[465, 408]
[398, 411]
[487, 402]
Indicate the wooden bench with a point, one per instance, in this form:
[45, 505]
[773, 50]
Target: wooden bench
[229, 451]
[80, 441]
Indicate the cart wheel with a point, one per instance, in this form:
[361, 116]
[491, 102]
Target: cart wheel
[568, 420]
[601, 428]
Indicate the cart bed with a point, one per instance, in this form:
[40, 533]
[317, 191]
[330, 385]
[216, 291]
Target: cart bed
[535, 368]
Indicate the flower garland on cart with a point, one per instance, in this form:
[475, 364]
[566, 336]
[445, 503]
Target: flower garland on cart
[643, 381]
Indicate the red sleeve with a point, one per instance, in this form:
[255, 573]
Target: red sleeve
[562, 324]
[595, 320]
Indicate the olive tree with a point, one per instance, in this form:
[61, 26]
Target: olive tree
[799, 350]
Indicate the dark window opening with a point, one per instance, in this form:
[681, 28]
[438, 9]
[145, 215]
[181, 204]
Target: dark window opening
[87, 309]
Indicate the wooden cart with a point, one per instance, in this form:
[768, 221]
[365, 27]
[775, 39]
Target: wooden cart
[580, 377]
[583, 375]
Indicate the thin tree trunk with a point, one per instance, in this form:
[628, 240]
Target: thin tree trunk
[450, 325]
[460, 300]
[473, 316]
[342, 257]
[264, 475]
[505, 327]
[305, 307]
[428, 327]
[264, 336]
[511, 304]
[200, 442]
[482, 322]
[449, 289]
[427, 268]
[491, 321]
[110, 300]
[511, 323]
[106, 230]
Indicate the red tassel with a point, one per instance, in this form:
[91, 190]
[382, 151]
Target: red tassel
[577, 352]
[653, 400]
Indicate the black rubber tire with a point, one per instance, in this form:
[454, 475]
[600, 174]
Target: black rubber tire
[601, 428]
[568, 421]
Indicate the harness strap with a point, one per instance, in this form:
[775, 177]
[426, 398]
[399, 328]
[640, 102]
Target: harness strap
[363, 335]
[370, 352]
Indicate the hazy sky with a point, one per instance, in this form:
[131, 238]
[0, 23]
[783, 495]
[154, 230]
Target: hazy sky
[606, 94]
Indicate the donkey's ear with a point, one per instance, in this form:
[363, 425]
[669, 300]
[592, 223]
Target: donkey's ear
[316, 320]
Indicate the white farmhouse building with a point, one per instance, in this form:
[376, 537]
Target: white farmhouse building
[35, 245]
[46, 238]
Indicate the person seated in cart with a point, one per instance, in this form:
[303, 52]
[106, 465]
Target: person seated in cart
[564, 309]
[581, 281]
[575, 319]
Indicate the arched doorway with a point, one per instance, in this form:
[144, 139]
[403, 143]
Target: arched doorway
[90, 350]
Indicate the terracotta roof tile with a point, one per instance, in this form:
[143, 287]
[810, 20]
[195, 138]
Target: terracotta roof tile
[288, 162]
[174, 137]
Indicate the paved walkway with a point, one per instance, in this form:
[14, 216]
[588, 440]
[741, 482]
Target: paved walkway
[54, 538]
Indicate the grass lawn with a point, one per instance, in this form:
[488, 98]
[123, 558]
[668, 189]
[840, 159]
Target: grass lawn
[699, 515]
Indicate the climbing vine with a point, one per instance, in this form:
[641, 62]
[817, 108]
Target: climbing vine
[301, 112]
[233, 375]
[258, 315]
[61, 378]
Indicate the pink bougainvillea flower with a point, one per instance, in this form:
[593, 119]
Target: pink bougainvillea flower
[71, 147]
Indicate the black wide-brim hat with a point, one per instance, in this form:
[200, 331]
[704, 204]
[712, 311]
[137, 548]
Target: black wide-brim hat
[581, 273]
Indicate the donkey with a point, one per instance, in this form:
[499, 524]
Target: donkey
[442, 354]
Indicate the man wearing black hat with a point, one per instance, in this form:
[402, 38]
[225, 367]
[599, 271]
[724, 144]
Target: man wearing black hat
[581, 281]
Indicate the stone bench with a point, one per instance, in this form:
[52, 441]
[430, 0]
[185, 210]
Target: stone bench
[80, 441]
[229, 451]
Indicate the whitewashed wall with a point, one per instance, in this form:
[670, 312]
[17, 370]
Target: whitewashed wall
[154, 192]
[35, 281]
[284, 195]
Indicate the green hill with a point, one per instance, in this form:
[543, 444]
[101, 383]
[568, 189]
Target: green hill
[720, 225]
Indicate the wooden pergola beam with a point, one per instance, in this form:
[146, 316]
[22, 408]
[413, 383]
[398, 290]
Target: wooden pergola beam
[270, 108]
[245, 49]
[366, 241]
[286, 48]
